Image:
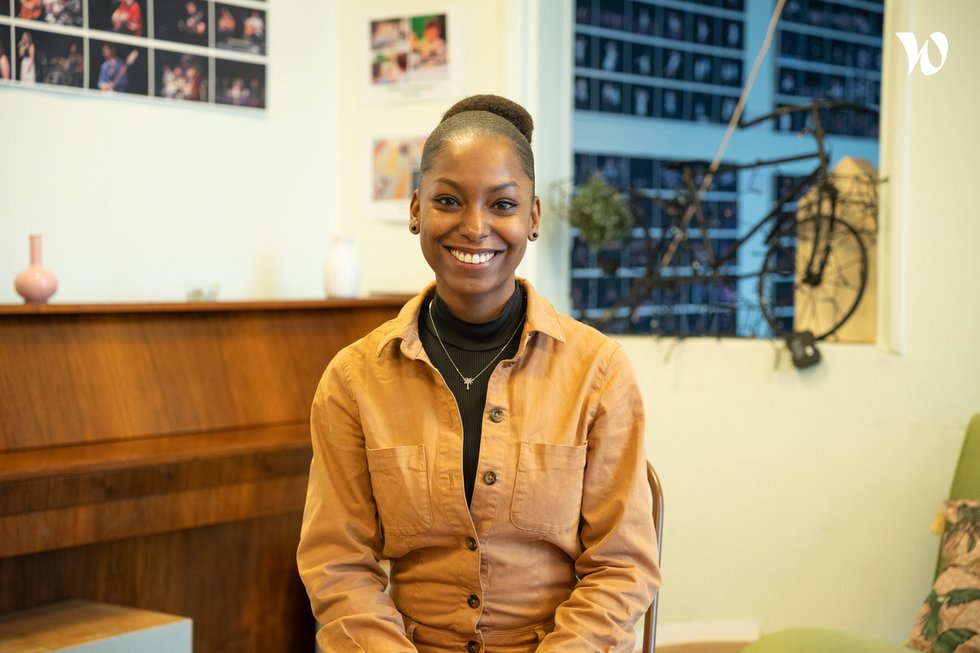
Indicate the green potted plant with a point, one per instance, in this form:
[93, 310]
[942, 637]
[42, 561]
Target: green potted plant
[602, 216]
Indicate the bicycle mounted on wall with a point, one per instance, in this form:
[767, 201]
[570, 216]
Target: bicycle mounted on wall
[815, 268]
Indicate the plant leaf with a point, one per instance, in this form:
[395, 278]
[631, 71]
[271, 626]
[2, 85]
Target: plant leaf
[931, 623]
[961, 596]
[951, 639]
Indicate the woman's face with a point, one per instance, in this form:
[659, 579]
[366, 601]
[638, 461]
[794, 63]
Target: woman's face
[475, 210]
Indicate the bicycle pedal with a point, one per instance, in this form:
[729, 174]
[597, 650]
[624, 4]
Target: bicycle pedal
[803, 347]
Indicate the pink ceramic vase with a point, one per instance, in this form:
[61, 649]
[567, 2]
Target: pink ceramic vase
[36, 284]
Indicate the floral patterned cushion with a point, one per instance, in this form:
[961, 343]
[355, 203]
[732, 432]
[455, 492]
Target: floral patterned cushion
[949, 621]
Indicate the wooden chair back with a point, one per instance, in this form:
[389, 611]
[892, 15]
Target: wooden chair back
[650, 618]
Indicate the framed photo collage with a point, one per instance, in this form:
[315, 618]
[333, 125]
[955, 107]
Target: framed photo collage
[201, 51]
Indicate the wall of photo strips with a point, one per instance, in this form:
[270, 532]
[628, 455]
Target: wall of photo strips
[669, 60]
[194, 51]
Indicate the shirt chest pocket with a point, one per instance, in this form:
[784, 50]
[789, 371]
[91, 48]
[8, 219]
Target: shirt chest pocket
[401, 489]
[548, 487]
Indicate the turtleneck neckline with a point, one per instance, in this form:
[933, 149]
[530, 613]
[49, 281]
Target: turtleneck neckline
[481, 336]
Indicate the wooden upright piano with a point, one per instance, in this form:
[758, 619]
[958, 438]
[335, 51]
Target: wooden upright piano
[156, 456]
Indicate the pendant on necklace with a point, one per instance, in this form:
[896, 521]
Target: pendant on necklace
[468, 382]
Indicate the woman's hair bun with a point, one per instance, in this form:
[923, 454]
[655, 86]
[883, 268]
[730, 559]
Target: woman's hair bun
[501, 106]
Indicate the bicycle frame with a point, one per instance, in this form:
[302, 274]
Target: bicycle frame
[694, 192]
[686, 210]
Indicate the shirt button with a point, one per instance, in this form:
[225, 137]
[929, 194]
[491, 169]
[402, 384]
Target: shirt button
[490, 478]
[472, 647]
[496, 415]
[471, 543]
[473, 601]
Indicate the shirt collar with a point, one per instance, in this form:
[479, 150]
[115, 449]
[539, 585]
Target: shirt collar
[541, 318]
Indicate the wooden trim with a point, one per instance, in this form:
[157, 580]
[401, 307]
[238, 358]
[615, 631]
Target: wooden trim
[382, 301]
[161, 513]
[32, 464]
[79, 495]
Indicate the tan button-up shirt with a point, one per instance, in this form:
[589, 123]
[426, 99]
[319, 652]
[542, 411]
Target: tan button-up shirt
[557, 551]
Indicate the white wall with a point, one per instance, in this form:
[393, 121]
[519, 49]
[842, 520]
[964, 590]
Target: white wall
[792, 497]
[804, 498]
[141, 200]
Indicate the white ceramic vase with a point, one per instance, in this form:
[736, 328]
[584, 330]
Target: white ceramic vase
[343, 268]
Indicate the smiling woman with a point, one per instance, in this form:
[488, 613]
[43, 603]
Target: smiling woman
[517, 461]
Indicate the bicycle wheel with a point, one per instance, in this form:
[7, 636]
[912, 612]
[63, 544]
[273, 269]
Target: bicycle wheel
[796, 293]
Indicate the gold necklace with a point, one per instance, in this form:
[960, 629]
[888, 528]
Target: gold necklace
[468, 380]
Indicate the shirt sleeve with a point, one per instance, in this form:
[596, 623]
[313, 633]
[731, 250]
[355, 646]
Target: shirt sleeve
[617, 569]
[340, 542]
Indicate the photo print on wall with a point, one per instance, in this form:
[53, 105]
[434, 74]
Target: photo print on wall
[49, 58]
[240, 28]
[240, 84]
[120, 16]
[181, 76]
[389, 50]
[5, 69]
[64, 12]
[394, 163]
[183, 22]
[412, 57]
[211, 53]
[117, 68]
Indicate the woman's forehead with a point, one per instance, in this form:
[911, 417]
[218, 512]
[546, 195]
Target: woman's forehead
[473, 153]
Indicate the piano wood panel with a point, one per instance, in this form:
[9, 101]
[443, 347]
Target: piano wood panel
[90, 377]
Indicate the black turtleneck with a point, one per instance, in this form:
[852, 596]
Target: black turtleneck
[472, 347]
